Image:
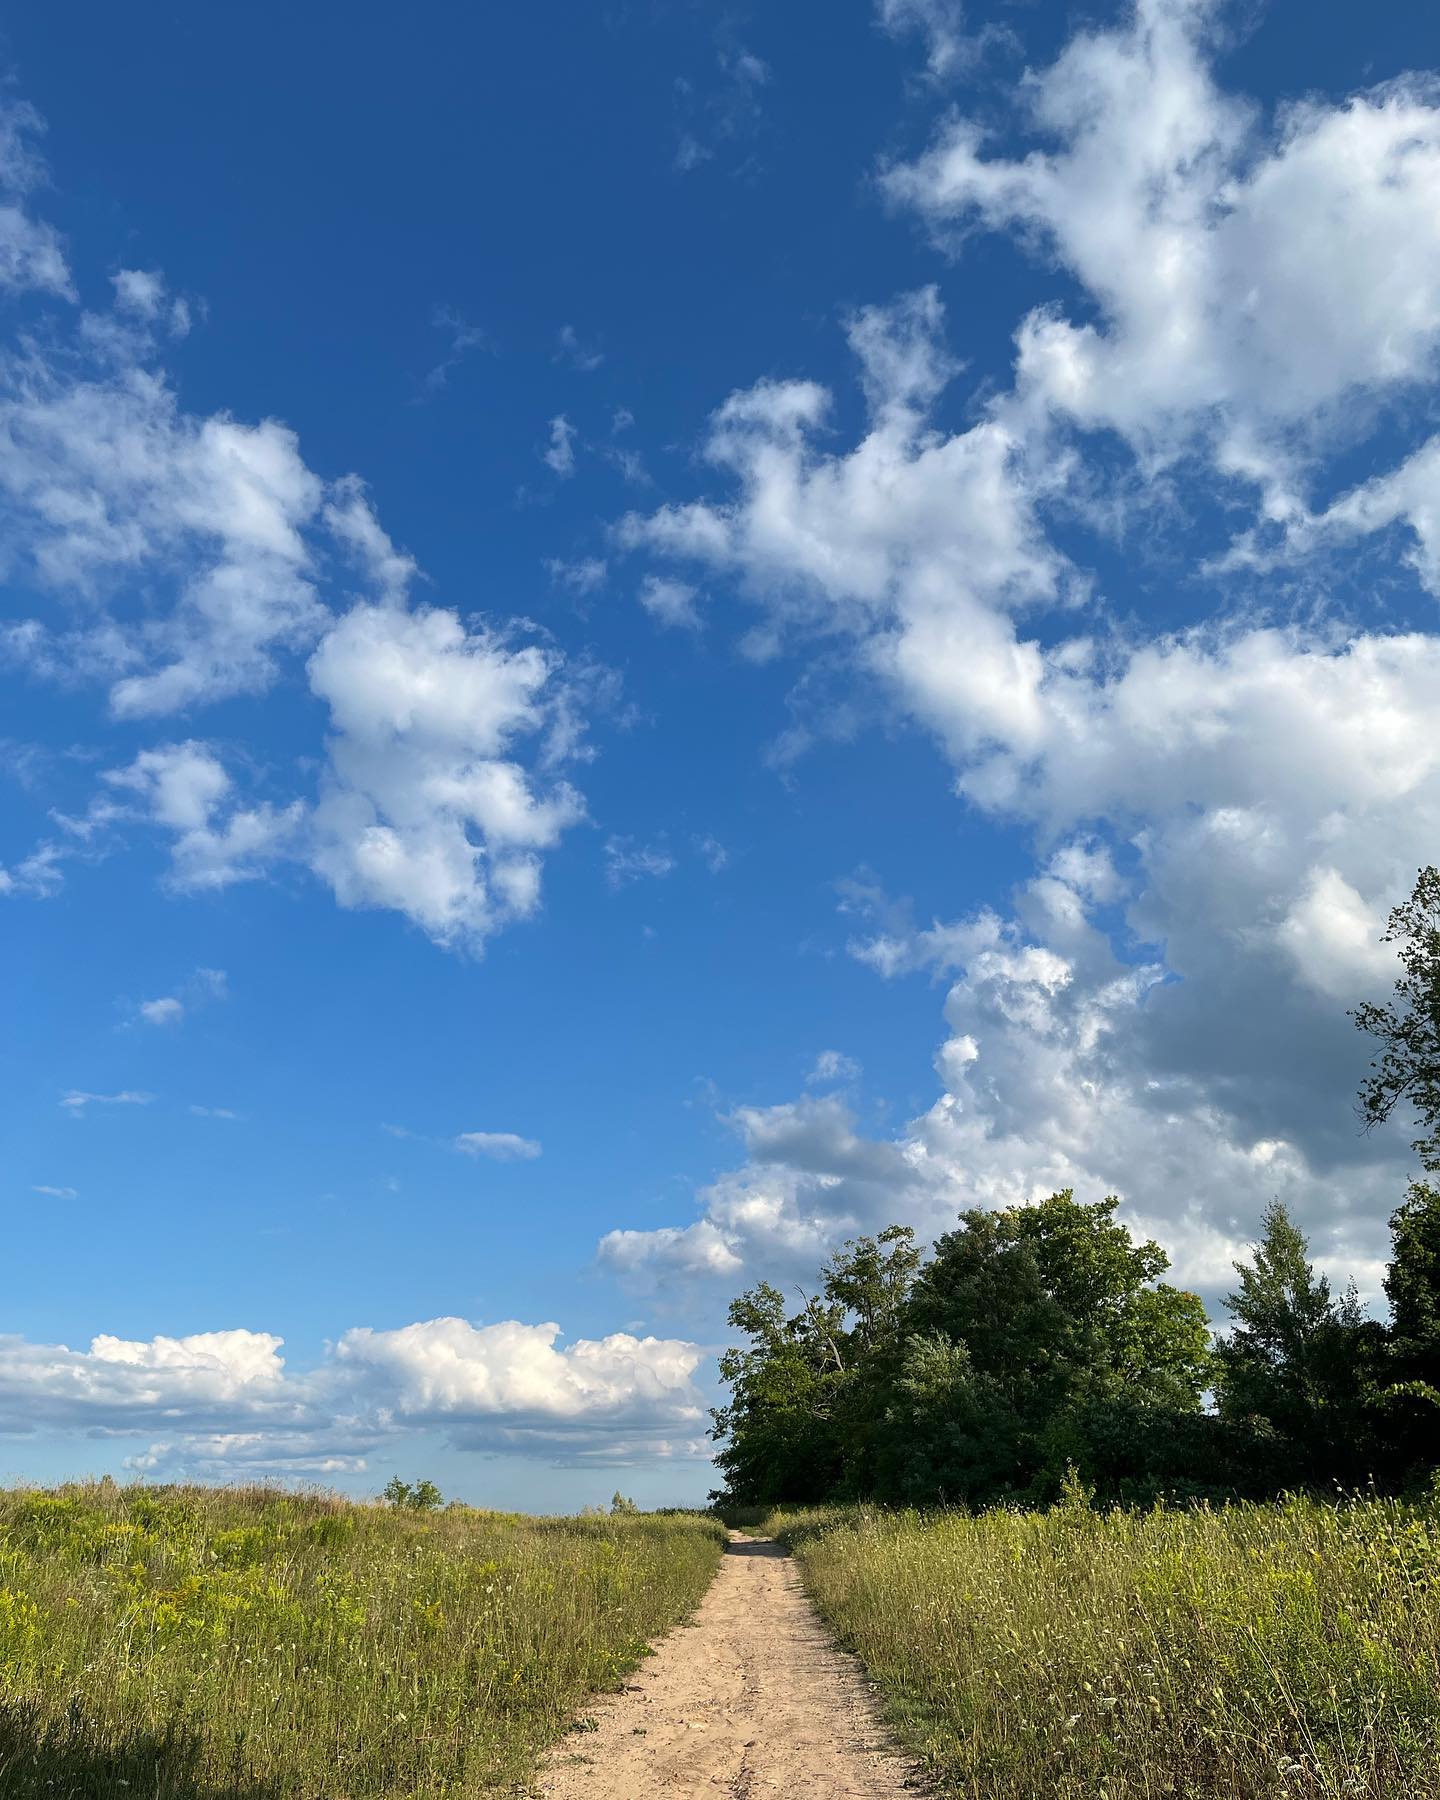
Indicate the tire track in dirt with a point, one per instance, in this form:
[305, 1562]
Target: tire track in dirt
[749, 1699]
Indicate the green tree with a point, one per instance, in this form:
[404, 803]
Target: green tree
[1299, 1359]
[1056, 1303]
[1412, 1286]
[1023, 1328]
[778, 1434]
[1409, 1399]
[1407, 1067]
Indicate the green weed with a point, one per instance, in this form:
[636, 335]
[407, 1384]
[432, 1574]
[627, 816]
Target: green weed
[1250, 1652]
[221, 1644]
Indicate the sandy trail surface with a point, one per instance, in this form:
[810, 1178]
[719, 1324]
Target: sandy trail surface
[749, 1699]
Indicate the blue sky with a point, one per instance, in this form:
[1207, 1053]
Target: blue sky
[637, 639]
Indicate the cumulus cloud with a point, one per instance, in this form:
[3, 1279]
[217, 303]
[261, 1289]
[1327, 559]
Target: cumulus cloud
[1246, 277]
[194, 558]
[510, 1384]
[224, 1401]
[1052, 1075]
[421, 805]
[499, 1146]
[424, 807]
[120, 1383]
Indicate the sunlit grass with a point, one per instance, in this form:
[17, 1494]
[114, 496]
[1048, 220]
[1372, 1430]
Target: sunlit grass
[256, 1645]
[1247, 1652]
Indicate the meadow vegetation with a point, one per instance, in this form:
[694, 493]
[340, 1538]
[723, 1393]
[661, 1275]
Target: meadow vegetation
[1286, 1651]
[222, 1644]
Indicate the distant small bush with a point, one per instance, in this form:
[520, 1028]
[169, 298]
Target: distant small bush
[419, 1496]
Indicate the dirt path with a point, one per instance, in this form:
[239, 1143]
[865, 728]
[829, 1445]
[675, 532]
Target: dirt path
[750, 1699]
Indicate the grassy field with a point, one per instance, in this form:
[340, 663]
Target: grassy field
[160, 1643]
[1254, 1651]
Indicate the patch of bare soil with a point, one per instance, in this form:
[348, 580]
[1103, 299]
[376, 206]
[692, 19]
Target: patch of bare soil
[751, 1698]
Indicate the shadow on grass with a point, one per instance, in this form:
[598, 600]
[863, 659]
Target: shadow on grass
[76, 1758]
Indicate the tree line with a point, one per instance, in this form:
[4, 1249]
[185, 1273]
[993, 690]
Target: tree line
[1040, 1339]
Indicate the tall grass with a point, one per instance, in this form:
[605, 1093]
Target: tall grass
[1277, 1651]
[255, 1645]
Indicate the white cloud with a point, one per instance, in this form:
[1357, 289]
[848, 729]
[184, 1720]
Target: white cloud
[499, 1146]
[36, 875]
[30, 250]
[56, 1193]
[120, 1383]
[1050, 1078]
[195, 558]
[575, 354]
[1246, 280]
[560, 455]
[627, 861]
[581, 577]
[509, 1384]
[713, 853]
[223, 1403]
[77, 1099]
[423, 807]
[103, 478]
[464, 337]
[214, 1112]
[940, 24]
[143, 292]
[202, 987]
[352, 522]
[723, 114]
[832, 1066]
[216, 840]
[669, 602]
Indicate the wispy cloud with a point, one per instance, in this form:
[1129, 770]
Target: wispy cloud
[573, 353]
[670, 603]
[581, 577]
[499, 1146]
[56, 1193]
[720, 112]
[463, 338]
[560, 455]
[627, 861]
[712, 852]
[77, 1099]
[200, 989]
[832, 1065]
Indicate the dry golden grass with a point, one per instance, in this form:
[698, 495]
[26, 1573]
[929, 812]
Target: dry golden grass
[253, 1645]
[1285, 1652]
